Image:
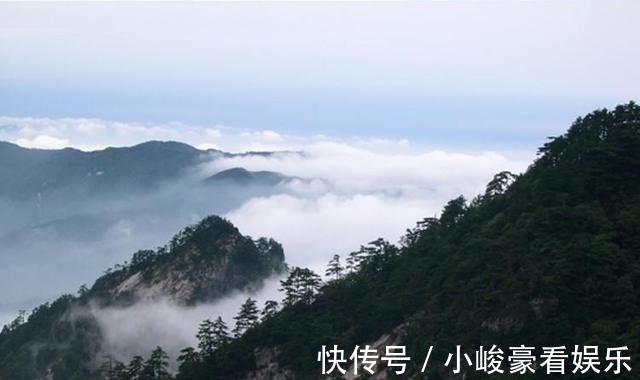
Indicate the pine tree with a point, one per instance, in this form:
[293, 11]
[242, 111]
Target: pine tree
[354, 260]
[212, 335]
[18, 321]
[351, 263]
[205, 337]
[412, 235]
[156, 367]
[220, 333]
[311, 283]
[301, 286]
[112, 369]
[119, 371]
[206, 340]
[377, 253]
[270, 309]
[188, 360]
[83, 290]
[376, 247]
[335, 269]
[453, 211]
[247, 317]
[188, 357]
[134, 370]
[500, 183]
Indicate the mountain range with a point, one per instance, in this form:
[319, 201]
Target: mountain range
[66, 204]
[548, 258]
[43, 185]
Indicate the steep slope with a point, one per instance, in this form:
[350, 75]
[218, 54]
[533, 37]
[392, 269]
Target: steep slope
[202, 263]
[553, 259]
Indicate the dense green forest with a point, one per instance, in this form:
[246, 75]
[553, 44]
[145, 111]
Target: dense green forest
[547, 258]
[551, 257]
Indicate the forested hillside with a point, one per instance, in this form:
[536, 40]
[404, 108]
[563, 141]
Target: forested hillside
[547, 258]
[204, 262]
[551, 259]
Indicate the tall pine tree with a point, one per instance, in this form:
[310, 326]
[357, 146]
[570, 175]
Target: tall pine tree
[247, 317]
[156, 367]
[301, 286]
[335, 268]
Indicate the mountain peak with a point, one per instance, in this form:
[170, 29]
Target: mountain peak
[200, 263]
[165, 145]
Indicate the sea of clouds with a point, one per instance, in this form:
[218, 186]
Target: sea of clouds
[347, 192]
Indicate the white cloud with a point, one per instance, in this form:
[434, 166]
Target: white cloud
[43, 142]
[138, 329]
[313, 229]
[92, 134]
[352, 191]
[263, 136]
[353, 169]
[349, 191]
[357, 196]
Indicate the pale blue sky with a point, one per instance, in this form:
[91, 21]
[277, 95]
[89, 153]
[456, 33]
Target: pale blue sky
[500, 75]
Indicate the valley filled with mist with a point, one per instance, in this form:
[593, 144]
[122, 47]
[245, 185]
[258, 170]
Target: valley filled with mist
[199, 263]
[71, 214]
[319, 190]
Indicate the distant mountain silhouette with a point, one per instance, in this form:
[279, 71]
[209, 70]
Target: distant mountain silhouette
[29, 173]
[241, 176]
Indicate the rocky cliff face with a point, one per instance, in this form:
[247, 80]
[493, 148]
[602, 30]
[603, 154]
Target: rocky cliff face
[201, 263]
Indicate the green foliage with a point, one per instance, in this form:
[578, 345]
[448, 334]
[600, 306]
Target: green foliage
[156, 367]
[247, 317]
[270, 309]
[334, 268]
[301, 286]
[212, 335]
[548, 258]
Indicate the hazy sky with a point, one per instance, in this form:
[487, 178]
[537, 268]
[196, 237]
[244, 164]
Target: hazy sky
[492, 74]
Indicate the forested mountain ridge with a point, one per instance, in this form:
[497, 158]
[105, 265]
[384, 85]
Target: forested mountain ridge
[203, 262]
[548, 258]
[29, 172]
[39, 186]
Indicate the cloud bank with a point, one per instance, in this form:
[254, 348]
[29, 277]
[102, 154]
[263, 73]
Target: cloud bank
[363, 193]
[344, 193]
[138, 329]
[350, 191]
